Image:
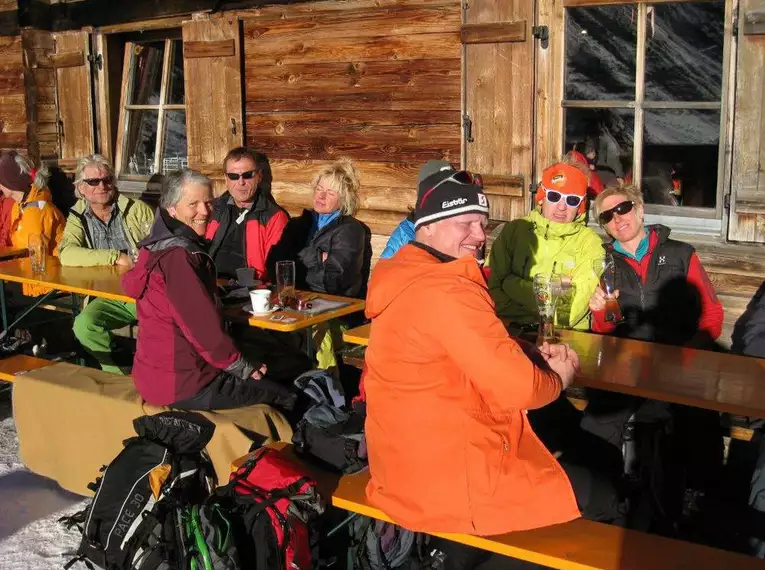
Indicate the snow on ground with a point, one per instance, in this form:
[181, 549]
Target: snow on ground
[30, 505]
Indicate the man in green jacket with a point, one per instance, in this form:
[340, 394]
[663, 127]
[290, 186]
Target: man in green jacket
[551, 239]
[103, 228]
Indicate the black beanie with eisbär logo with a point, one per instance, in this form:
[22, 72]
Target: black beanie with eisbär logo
[446, 194]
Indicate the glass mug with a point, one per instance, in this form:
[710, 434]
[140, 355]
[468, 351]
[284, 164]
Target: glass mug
[285, 284]
[547, 290]
[38, 252]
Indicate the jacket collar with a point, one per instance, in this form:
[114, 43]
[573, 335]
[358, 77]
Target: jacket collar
[555, 230]
[81, 206]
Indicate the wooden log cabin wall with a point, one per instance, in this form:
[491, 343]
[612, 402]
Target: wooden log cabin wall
[389, 83]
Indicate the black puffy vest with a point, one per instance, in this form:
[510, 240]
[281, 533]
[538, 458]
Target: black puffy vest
[666, 308]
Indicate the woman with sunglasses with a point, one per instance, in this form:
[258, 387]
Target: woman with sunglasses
[664, 293]
[665, 296]
[553, 238]
[33, 211]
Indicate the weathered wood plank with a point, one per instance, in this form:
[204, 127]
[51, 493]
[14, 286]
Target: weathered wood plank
[495, 32]
[508, 186]
[413, 84]
[314, 122]
[742, 285]
[213, 93]
[74, 97]
[364, 146]
[8, 5]
[352, 24]
[330, 7]
[62, 59]
[219, 48]
[276, 52]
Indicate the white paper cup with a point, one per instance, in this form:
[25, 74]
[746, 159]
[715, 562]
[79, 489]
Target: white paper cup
[261, 300]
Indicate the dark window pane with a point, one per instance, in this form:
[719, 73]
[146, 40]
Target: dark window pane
[684, 52]
[174, 156]
[607, 136]
[601, 47]
[147, 73]
[680, 157]
[141, 142]
[175, 92]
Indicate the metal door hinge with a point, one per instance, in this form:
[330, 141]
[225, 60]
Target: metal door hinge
[467, 128]
[98, 60]
[726, 201]
[542, 33]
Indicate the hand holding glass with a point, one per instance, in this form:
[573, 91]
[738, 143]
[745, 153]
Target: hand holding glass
[605, 270]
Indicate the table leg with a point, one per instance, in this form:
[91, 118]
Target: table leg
[309, 348]
[3, 307]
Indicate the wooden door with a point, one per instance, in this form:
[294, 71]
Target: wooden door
[499, 91]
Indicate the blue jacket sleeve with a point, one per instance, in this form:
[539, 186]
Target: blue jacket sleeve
[402, 235]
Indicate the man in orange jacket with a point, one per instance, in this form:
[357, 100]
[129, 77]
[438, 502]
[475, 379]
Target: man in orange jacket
[450, 446]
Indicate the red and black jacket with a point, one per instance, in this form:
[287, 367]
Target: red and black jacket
[665, 297]
[265, 223]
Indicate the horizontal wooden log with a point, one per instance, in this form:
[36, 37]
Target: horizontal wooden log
[390, 21]
[62, 60]
[743, 285]
[311, 122]
[8, 5]
[362, 148]
[219, 48]
[511, 186]
[11, 84]
[390, 174]
[493, 33]
[412, 84]
[297, 10]
[422, 46]
[400, 200]
[13, 141]
[10, 50]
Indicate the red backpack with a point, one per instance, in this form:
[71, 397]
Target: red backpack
[271, 500]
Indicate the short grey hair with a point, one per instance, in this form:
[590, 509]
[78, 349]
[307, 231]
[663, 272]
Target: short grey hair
[97, 160]
[25, 166]
[175, 182]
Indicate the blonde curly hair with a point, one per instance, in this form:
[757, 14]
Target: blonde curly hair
[343, 177]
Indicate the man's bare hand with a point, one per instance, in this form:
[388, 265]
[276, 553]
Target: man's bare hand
[124, 260]
[563, 360]
[259, 373]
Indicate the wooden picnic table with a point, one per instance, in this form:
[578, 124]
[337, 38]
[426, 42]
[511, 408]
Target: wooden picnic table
[705, 379]
[104, 282]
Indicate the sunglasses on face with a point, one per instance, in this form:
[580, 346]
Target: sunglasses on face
[93, 182]
[234, 176]
[572, 200]
[621, 208]
[460, 177]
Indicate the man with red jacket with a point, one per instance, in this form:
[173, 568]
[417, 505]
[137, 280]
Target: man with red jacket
[246, 222]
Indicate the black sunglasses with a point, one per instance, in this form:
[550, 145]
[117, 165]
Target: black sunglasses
[246, 175]
[96, 181]
[621, 208]
[572, 200]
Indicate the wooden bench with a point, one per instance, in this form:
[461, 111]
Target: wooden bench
[577, 545]
[12, 366]
[72, 420]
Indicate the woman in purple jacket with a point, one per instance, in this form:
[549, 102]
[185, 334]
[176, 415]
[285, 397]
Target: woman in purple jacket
[184, 357]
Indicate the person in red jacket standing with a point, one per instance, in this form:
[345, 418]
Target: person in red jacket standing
[247, 221]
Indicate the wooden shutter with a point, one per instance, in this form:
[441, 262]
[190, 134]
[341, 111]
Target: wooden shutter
[747, 198]
[213, 81]
[499, 76]
[74, 93]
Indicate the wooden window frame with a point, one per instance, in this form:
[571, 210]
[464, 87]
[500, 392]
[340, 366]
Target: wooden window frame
[706, 219]
[125, 108]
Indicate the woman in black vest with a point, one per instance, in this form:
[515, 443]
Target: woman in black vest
[665, 296]
[664, 293]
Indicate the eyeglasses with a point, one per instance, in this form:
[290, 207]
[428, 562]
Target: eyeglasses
[572, 200]
[462, 177]
[621, 208]
[93, 182]
[234, 176]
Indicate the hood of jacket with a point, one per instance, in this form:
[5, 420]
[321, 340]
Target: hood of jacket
[411, 265]
[166, 234]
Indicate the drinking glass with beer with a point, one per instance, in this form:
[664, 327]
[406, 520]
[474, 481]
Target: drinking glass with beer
[38, 250]
[605, 270]
[547, 290]
[285, 284]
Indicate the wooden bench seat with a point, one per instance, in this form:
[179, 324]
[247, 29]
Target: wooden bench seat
[16, 364]
[71, 420]
[577, 545]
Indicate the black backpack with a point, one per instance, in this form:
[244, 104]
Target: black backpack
[138, 517]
